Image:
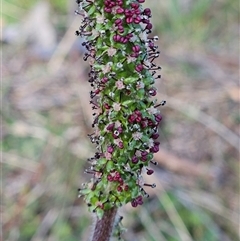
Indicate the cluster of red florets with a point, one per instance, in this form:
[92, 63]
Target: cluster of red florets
[142, 157]
[137, 201]
[115, 131]
[109, 5]
[133, 15]
[135, 117]
[115, 176]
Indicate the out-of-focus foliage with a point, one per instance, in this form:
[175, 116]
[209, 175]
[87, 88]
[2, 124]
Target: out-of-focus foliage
[46, 119]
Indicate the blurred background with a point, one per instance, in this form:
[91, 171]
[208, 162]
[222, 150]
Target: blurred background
[46, 118]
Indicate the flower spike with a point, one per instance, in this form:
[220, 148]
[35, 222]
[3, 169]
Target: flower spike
[122, 75]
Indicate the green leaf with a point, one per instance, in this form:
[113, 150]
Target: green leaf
[92, 37]
[85, 191]
[141, 93]
[130, 80]
[102, 161]
[94, 199]
[91, 10]
[143, 105]
[100, 212]
[109, 166]
[135, 192]
[132, 145]
[149, 156]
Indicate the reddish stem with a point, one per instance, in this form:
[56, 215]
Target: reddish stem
[104, 226]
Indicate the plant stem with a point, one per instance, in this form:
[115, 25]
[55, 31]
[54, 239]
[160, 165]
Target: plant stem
[104, 226]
